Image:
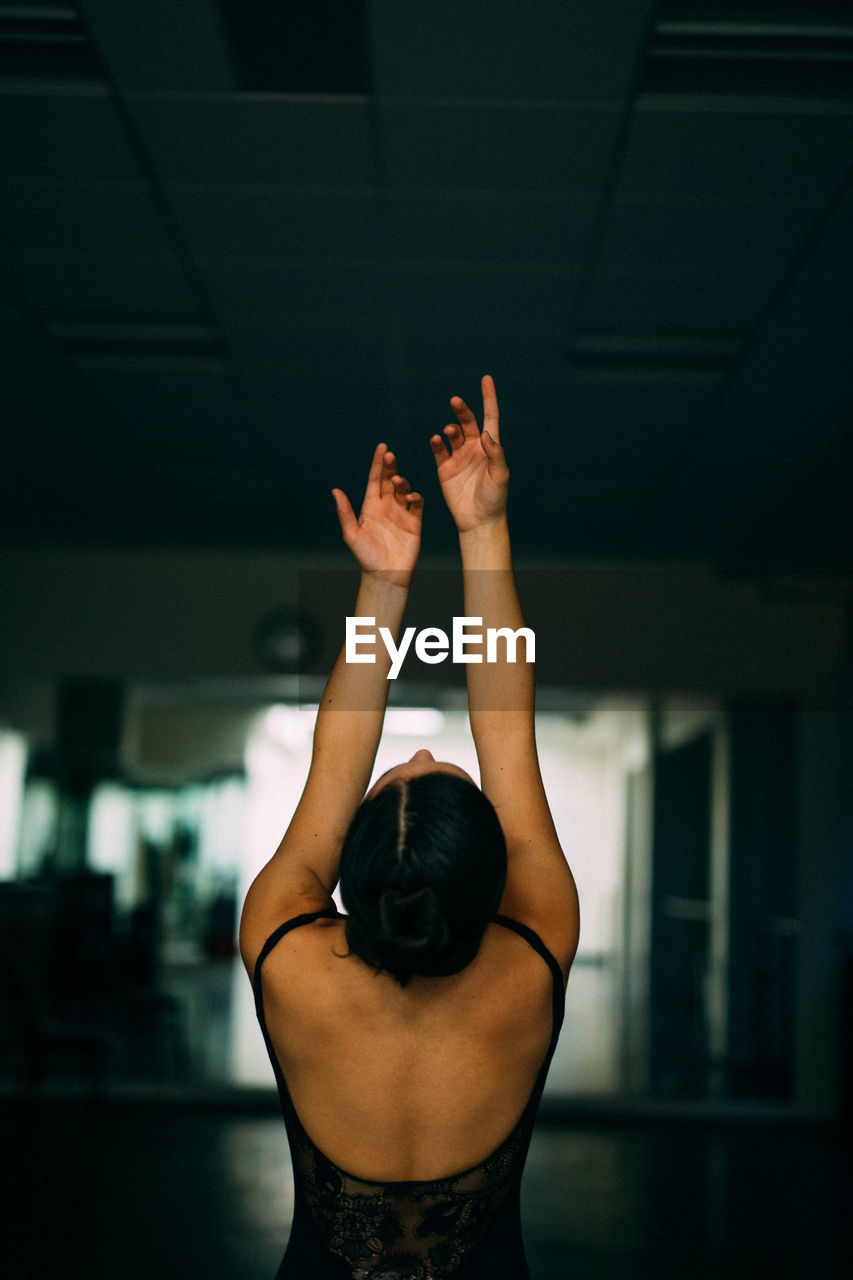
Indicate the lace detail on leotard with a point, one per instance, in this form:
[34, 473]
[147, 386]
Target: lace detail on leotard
[409, 1230]
[406, 1230]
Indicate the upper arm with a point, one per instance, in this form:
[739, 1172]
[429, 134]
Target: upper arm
[280, 891]
[540, 889]
[303, 871]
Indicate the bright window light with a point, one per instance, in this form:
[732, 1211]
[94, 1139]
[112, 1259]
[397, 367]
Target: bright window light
[584, 765]
[37, 832]
[112, 839]
[13, 759]
[414, 722]
[290, 726]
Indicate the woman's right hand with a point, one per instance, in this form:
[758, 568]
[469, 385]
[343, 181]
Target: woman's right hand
[386, 537]
[471, 465]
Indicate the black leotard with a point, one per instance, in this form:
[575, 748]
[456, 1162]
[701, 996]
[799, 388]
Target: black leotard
[467, 1226]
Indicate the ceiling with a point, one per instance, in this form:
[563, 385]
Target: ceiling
[241, 241]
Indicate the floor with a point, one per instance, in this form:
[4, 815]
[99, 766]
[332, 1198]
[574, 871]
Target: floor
[149, 1191]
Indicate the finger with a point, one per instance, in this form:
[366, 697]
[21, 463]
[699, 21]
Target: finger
[374, 475]
[490, 406]
[467, 421]
[346, 515]
[389, 470]
[440, 449]
[401, 489]
[415, 502]
[454, 436]
[495, 457]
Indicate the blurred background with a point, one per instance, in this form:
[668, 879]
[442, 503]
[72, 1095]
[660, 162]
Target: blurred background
[240, 242]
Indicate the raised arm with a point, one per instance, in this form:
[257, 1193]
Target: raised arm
[474, 479]
[385, 540]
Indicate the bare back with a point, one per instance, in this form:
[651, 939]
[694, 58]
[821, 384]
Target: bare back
[414, 1083]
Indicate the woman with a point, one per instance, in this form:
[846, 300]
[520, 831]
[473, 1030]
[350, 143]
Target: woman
[414, 1033]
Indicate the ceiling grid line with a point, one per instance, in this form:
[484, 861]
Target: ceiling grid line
[152, 179]
[232, 270]
[598, 231]
[671, 479]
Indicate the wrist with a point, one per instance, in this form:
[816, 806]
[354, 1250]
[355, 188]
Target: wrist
[486, 542]
[487, 525]
[390, 585]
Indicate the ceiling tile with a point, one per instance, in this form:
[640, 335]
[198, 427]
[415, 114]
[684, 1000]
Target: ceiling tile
[296, 369]
[80, 218]
[47, 420]
[553, 49]
[325, 423]
[345, 264]
[346, 408]
[53, 136]
[162, 45]
[454, 148]
[711, 235]
[243, 138]
[790, 396]
[294, 292]
[634, 424]
[485, 301]
[456, 354]
[285, 343]
[644, 297]
[131, 284]
[277, 222]
[614, 429]
[161, 404]
[480, 227]
[730, 153]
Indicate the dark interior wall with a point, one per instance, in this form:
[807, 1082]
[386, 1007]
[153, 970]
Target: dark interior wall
[823, 888]
[128, 616]
[680, 915]
[132, 617]
[763, 925]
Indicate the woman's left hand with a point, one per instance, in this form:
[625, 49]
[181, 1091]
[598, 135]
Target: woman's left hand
[386, 537]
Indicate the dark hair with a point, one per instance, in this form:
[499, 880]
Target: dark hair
[423, 868]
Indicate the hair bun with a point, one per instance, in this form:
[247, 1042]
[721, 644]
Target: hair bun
[413, 919]
[423, 867]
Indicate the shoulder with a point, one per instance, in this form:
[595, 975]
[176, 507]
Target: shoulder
[548, 906]
[512, 1002]
[540, 890]
[262, 917]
